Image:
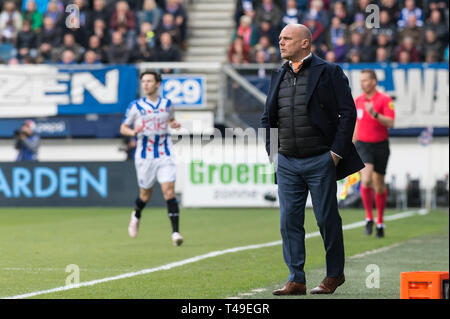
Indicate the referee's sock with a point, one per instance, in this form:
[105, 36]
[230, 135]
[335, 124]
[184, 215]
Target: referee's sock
[367, 199]
[174, 214]
[380, 203]
[139, 207]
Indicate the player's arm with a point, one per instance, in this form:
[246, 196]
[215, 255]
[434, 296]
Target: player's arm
[171, 121]
[128, 131]
[130, 118]
[174, 123]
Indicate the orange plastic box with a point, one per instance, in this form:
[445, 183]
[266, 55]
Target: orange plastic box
[424, 285]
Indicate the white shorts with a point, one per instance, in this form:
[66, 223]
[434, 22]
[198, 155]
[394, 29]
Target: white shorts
[148, 171]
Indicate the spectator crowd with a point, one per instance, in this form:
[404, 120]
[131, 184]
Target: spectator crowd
[119, 31]
[91, 31]
[344, 31]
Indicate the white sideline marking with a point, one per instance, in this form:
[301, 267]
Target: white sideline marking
[198, 258]
[366, 253]
[246, 294]
[259, 290]
[375, 251]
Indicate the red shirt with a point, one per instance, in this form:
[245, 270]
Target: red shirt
[369, 129]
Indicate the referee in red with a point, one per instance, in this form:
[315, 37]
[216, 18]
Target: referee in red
[375, 114]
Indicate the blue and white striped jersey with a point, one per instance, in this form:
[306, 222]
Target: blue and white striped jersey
[154, 141]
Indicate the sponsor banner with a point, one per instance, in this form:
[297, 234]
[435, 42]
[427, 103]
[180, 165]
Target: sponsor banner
[44, 128]
[229, 184]
[232, 184]
[45, 90]
[71, 184]
[90, 125]
[185, 91]
[420, 91]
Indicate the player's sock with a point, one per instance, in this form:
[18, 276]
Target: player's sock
[367, 199]
[380, 203]
[139, 207]
[174, 213]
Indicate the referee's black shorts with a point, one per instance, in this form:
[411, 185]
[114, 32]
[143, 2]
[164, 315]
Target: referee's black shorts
[376, 154]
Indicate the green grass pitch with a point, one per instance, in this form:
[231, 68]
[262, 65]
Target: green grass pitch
[37, 244]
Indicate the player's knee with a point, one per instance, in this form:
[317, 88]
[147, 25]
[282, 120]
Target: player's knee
[379, 186]
[380, 189]
[169, 194]
[366, 183]
[145, 196]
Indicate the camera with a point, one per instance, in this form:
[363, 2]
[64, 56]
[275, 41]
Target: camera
[17, 137]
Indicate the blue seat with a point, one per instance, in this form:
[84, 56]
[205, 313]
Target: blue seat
[7, 51]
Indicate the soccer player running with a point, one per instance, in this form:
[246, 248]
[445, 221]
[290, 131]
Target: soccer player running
[375, 114]
[148, 119]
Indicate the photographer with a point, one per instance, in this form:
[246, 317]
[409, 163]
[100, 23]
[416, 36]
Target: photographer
[27, 142]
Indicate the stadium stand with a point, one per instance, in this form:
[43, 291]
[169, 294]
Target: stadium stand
[116, 31]
[410, 31]
[32, 31]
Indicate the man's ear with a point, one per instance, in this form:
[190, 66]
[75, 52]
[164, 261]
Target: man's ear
[305, 43]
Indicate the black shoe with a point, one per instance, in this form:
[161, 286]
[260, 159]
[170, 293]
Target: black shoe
[380, 232]
[369, 227]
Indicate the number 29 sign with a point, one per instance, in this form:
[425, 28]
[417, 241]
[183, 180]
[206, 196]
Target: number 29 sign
[184, 90]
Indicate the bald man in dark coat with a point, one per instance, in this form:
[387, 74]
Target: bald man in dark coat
[311, 105]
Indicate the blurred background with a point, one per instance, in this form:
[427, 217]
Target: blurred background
[69, 69]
